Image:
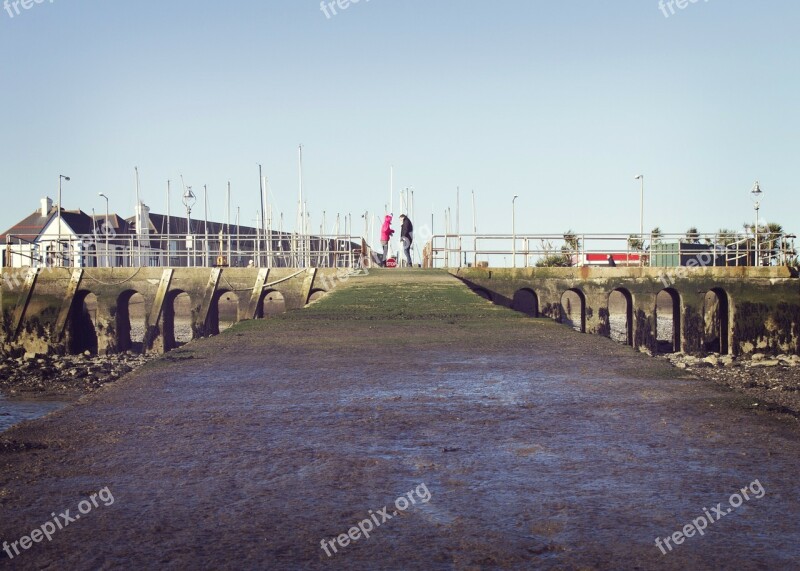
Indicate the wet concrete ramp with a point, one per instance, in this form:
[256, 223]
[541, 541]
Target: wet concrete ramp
[471, 437]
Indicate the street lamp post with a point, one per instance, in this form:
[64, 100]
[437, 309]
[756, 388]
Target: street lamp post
[58, 247]
[105, 230]
[188, 201]
[641, 217]
[756, 195]
[514, 230]
[641, 206]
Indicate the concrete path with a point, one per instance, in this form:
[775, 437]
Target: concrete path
[456, 434]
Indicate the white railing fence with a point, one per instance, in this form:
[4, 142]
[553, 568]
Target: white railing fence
[229, 250]
[662, 250]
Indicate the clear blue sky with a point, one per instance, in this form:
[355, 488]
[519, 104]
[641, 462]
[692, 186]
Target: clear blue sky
[562, 103]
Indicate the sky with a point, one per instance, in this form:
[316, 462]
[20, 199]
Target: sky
[561, 103]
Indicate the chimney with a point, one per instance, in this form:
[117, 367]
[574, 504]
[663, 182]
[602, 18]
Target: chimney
[47, 205]
[142, 219]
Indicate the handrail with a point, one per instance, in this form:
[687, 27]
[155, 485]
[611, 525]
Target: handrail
[180, 250]
[525, 250]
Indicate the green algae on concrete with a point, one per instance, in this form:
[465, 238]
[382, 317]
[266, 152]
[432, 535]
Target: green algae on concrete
[403, 295]
[395, 307]
[763, 304]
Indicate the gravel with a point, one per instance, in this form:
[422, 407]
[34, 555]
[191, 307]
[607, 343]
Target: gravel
[772, 381]
[68, 374]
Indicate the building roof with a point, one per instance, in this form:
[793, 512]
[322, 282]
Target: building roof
[78, 221]
[115, 221]
[176, 225]
[29, 228]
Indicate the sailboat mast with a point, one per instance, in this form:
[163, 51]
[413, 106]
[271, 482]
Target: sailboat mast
[138, 219]
[301, 213]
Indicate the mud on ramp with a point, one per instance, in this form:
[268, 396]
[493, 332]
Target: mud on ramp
[540, 447]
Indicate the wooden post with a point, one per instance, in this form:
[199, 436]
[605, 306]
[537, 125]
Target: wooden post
[258, 289]
[66, 305]
[208, 298]
[308, 284]
[24, 300]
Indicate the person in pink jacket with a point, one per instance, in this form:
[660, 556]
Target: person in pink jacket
[386, 235]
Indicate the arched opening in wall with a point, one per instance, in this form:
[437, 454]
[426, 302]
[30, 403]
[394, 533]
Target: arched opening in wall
[573, 309]
[620, 316]
[131, 322]
[716, 320]
[177, 319]
[526, 301]
[668, 321]
[82, 323]
[224, 312]
[316, 295]
[272, 303]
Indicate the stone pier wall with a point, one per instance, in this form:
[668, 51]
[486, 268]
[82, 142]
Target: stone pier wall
[724, 310]
[63, 309]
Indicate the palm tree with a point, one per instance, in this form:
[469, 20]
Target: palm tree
[725, 237]
[552, 258]
[773, 242]
[572, 244]
[563, 259]
[635, 243]
[692, 236]
[655, 235]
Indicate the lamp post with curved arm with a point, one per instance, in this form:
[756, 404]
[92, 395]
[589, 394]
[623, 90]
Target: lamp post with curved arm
[105, 229]
[514, 230]
[58, 247]
[188, 201]
[756, 194]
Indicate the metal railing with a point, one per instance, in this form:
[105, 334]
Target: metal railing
[662, 250]
[198, 250]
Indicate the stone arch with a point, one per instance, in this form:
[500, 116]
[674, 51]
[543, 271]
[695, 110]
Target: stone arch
[177, 320]
[620, 316]
[526, 301]
[716, 321]
[224, 312]
[131, 321]
[82, 324]
[271, 303]
[668, 321]
[575, 318]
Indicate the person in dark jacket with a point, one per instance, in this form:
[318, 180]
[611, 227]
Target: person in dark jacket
[611, 262]
[407, 237]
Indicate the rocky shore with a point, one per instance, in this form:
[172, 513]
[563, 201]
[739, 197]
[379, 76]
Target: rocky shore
[63, 374]
[773, 382]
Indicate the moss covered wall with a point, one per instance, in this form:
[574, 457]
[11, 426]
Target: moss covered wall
[113, 287]
[763, 304]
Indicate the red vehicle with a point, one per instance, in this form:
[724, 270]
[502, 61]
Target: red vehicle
[622, 260]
